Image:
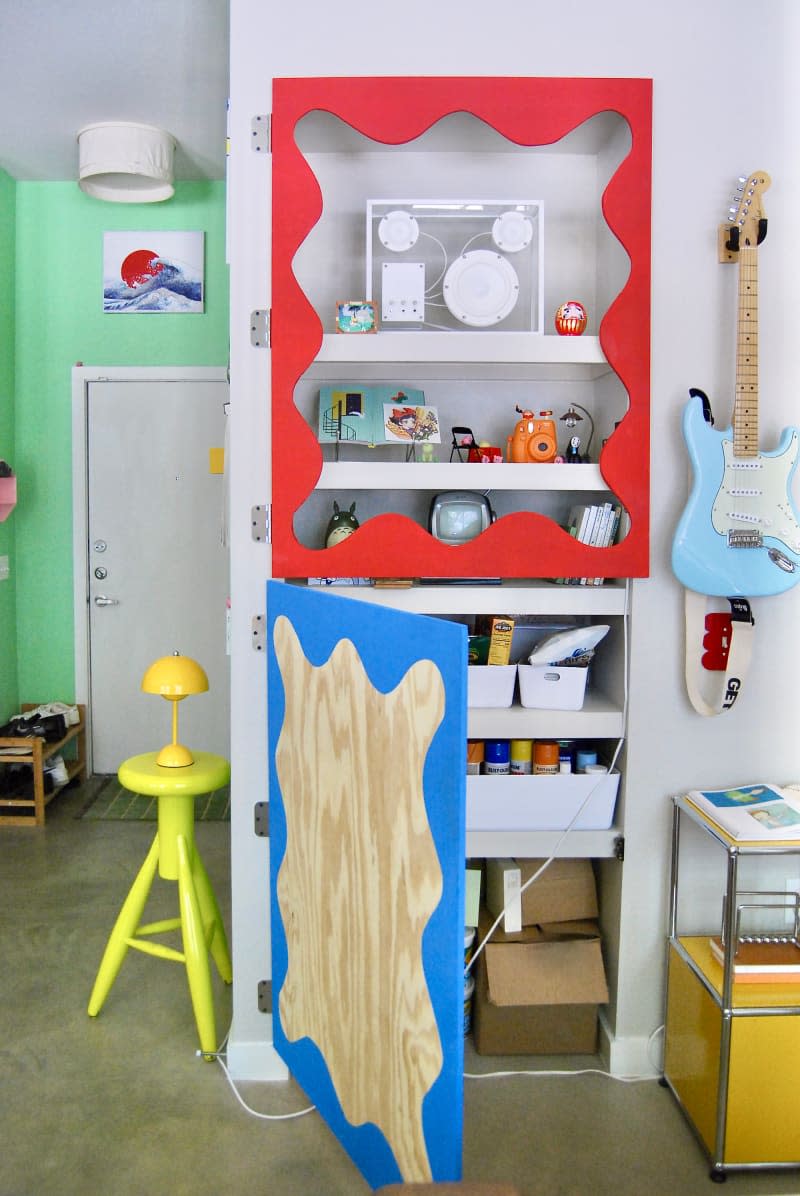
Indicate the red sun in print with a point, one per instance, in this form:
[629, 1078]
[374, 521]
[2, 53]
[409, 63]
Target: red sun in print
[139, 267]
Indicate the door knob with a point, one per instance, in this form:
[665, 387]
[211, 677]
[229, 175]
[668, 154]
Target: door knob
[101, 600]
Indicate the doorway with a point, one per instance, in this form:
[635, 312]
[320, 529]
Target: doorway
[150, 558]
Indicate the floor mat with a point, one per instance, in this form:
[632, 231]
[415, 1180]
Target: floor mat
[106, 800]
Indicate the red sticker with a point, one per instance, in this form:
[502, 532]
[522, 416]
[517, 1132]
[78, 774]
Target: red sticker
[717, 642]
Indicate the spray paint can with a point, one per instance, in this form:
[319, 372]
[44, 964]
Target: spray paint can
[521, 752]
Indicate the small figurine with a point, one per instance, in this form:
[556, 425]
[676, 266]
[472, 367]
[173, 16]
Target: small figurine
[571, 319]
[573, 453]
[341, 525]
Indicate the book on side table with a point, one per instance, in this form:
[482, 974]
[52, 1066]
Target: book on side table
[752, 813]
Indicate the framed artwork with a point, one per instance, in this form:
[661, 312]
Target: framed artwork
[355, 315]
[153, 271]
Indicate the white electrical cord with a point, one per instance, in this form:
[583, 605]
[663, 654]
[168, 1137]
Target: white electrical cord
[253, 1112]
[579, 1071]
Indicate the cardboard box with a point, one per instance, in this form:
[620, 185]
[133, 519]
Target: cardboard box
[539, 995]
[491, 684]
[551, 687]
[541, 803]
[565, 891]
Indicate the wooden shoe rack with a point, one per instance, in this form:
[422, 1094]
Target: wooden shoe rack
[29, 811]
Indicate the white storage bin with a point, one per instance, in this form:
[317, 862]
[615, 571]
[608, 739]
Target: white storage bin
[543, 803]
[552, 687]
[491, 684]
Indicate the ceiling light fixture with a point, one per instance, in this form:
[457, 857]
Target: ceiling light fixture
[124, 162]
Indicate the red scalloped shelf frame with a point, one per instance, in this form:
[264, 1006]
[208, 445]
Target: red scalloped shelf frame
[537, 111]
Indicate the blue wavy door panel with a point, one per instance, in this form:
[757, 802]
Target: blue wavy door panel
[367, 740]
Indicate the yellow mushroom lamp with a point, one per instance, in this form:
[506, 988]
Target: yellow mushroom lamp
[175, 677]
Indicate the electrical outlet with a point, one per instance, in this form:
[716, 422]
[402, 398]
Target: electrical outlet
[4, 568]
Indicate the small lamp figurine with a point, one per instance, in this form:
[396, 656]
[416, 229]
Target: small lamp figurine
[571, 418]
[174, 677]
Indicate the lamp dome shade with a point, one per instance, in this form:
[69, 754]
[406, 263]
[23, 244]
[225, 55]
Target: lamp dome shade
[175, 677]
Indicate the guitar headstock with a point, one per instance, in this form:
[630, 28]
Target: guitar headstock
[747, 214]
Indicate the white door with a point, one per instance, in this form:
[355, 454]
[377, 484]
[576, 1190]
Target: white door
[157, 568]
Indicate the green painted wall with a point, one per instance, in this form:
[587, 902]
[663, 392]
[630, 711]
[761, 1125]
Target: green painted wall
[8, 637]
[60, 322]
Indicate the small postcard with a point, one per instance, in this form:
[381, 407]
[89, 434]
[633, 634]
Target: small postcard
[409, 424]
[355, 315]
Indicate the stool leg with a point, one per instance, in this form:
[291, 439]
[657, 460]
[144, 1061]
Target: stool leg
[125, 926]
[196, 952]
[209, 909]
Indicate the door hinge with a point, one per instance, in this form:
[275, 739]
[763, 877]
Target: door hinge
[260, 328]
[261, 819]
[259, 629]
[261, 523]
[619, 847]
[265, 996]
[261, 130]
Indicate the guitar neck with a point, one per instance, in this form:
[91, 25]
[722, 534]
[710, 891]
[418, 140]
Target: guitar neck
[745, 405]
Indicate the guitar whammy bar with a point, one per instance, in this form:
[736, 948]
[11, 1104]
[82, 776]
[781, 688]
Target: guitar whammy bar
[739, 535]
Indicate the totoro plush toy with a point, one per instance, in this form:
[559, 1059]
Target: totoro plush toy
[341, 525]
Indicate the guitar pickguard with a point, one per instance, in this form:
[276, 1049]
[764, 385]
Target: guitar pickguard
[739, 534]
[753, 498]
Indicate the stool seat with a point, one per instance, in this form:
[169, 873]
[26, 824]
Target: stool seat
[174, 855]
[141, 774]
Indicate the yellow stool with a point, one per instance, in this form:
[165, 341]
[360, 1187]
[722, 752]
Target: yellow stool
[175, 855]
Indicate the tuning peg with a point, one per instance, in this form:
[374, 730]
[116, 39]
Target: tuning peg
[742, 180]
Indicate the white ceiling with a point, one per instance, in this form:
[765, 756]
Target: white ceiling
[69, 63]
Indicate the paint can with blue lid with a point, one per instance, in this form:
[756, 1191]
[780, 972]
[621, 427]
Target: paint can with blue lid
[496, 757]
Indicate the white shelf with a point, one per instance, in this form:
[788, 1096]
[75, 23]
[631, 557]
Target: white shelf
[600, 718]
[461, 347]
[513, 597]
[542, 844]
[414, 475]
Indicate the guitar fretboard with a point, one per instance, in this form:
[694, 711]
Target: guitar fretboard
[745, 406]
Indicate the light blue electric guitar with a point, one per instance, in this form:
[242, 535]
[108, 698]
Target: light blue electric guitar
[739, 534]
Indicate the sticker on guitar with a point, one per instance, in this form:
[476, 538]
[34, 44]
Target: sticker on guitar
[739, 533]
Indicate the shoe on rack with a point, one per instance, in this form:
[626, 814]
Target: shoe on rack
[50, 727]
[71, 714]
[56, 769]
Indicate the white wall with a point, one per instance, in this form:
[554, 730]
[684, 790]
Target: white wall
[726, 102]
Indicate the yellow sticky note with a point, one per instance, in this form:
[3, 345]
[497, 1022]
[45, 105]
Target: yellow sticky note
[216, 460]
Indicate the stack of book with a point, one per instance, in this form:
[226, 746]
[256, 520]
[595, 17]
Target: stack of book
[594, 524]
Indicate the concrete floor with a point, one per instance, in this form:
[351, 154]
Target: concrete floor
[120, 1105]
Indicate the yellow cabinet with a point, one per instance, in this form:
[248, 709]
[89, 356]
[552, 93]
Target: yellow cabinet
[732, 1049]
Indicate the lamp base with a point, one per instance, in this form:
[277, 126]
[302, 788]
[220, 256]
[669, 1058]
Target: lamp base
[174, 755]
